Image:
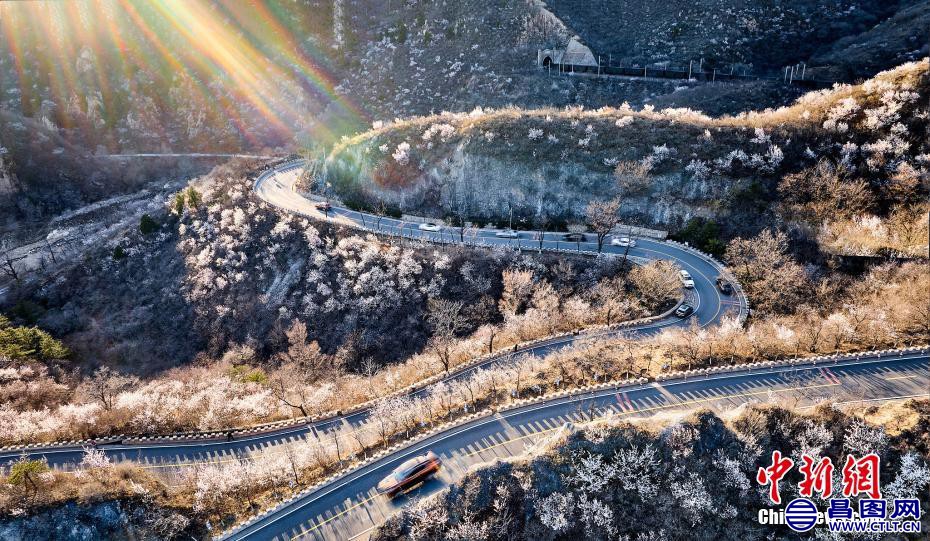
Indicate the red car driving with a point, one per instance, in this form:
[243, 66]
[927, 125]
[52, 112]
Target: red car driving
[410, 474]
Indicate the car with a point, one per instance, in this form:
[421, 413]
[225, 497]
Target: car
[623, 242]
[684, 310]
[573, 237]
[507, 234]
[686, 279]
[411, 473]
[724, 287]
[429, 226]
[325, 206]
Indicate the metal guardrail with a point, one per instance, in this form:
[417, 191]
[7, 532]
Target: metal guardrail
[681, 73]
[632, 384]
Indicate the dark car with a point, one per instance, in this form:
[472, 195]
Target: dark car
[724, 286]
[573, 237]
[323, 205]
[410, 474]
[684, 310]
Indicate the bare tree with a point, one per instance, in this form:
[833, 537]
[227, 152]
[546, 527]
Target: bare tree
[586, 362]
[613, 298]
[541, 223]
[631, 346]
[690, 343]
[812, 327]
[407, 414]
[385, 414]
[824, 191]
[602, 217]
[648, 353]
[105, 385]
[51, 251]
[467, 387]
[578, 229]
[490, 380]
[369, 369]
[632, 176]
[518, 288]
[460, 215]
[306, 355]
[320, 454]
[292, 462]
[312, 172]
[442, 393]
[546, 299]
[442, 347]
[288, 385]
[520, 367]
[426, 409]
[446, 320]
[491, 331]
[380, 210]
[360, 440]
[9, 264]
[657, 283]
[766, 270]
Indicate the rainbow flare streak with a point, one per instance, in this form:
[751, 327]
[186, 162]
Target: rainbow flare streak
[242, 56]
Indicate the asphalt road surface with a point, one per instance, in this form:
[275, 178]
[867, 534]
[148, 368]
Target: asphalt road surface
[349, 507]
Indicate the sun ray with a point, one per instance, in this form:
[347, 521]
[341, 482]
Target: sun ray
[242, 59]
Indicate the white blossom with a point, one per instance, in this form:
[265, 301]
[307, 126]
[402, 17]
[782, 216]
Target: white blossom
[555, 511]
[402, 153]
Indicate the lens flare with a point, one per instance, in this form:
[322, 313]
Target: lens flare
[246, 58]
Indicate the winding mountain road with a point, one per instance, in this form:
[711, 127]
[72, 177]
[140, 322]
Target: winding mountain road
[346, 507]
[277, 187]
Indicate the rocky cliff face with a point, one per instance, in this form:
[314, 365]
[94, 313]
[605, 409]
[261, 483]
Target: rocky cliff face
[110, 521]
[487, 187]
[7, 185]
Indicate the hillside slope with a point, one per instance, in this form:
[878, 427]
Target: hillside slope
[272, 74]
[280, 74]
[900, 38]
[667, 166]
[424, 57]
[764, 36]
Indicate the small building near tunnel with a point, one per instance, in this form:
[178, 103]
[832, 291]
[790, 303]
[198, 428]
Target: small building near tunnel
[575, 54]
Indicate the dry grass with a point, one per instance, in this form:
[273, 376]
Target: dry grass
[897, 417]
[808, 112]
[121, 481]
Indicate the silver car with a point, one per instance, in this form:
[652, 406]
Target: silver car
[429, 226]
[623, 242]
[686, 279]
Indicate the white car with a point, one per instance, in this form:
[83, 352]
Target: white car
[623, 242]
[429, 226]
[686, 279]
[507, 234]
